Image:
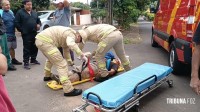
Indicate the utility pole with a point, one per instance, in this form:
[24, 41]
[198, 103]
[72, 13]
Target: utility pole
[110, 12]
[97, 4]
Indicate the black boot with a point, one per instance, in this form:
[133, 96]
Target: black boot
[47, 78]
[16, 62]
[35, 62]
[74, 92]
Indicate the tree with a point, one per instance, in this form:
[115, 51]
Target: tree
[15, 5]
[142, 5]
[128, 11]
[37, 4]
[41, 4]
[99, 14]
[80, 5]
[100, 3]
[98, 9]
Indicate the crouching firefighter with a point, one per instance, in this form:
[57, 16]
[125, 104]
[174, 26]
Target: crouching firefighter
[48, 42]
[107, 37]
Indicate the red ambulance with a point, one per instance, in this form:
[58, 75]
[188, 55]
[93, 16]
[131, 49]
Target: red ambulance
[173, 28]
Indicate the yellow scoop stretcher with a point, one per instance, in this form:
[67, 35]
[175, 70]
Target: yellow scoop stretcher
[56, 86]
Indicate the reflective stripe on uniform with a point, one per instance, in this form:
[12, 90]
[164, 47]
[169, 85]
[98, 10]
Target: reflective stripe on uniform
[44, 38]
[108, 32]
[102, 65]
[101, 47]
[47, 69]
[78, 52]
[69, 60]
[126, 63]
[52, 51]
[102, 44]
[63, 79]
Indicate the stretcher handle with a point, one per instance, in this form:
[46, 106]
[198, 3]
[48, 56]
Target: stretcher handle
[144, 81]
[100, 102]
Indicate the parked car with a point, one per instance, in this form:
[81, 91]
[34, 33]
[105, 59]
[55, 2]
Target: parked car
[46, 18]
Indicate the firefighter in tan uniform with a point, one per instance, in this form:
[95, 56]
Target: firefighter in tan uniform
[48, 42]
[107, 37]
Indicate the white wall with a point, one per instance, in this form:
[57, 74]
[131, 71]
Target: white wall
[75, 19]
[85, 19]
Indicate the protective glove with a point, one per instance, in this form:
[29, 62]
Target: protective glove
[84, 59]
[88, 55]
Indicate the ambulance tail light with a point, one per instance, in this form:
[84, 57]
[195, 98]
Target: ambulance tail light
[191, 20]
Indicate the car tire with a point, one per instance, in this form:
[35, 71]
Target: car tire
[46, 26]
[173, 61]
[153, 42]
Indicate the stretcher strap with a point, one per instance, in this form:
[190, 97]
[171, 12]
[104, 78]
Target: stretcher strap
[79, 74]
[96, 109]
[91, 71]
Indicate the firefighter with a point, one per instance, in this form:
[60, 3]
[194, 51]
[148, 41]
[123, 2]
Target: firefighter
[48, 42]
[107, 37]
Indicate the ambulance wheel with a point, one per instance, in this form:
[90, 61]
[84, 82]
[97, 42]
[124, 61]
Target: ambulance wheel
[174, 63]
[153, 42]
[170, 83]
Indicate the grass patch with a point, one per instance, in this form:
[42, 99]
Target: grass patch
[132, 40]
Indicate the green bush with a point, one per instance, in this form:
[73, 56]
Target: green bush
[15, 6]
[149, 16]
[135, 15]
[80, 5]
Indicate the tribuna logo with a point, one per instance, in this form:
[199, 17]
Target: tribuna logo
[180, 100]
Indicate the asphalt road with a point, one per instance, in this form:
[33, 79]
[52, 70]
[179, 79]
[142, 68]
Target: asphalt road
[30, 94]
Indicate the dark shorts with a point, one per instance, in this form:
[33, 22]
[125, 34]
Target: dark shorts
[196, 37]
[12, 43]
[114, 66]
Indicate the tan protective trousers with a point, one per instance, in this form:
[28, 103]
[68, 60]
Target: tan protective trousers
[55, 58]
[113, 40]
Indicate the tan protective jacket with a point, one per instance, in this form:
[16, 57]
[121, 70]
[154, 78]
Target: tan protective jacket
[96, 33]
[61, 36]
